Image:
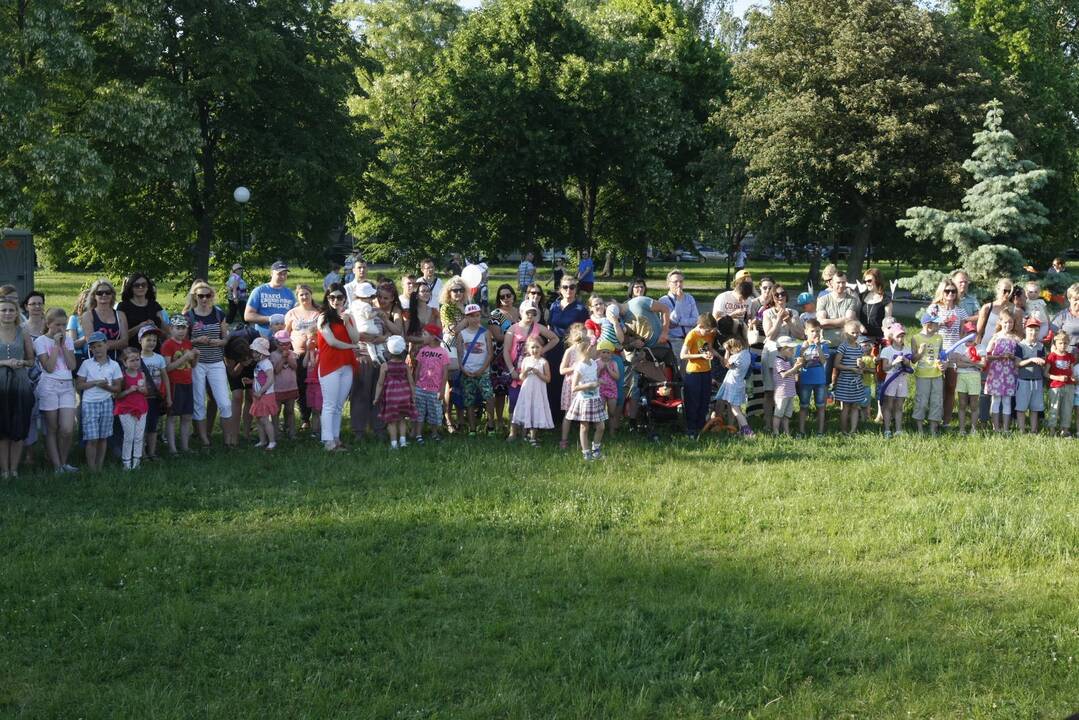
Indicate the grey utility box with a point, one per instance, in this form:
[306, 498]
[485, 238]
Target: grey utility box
[17, 260]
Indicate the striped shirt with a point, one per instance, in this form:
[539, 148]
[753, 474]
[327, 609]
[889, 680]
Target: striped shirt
[207, 326]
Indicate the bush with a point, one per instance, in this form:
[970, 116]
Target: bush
[988, 263]
[924, 283]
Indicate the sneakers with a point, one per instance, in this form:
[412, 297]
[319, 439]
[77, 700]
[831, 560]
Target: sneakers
[747, 431]
[887, 434]
[419, 440]
[596, 454]
[402, 443]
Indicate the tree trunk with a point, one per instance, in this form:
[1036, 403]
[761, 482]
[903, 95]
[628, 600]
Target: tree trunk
[858, 247]
[639, 264]
[608, 265]
[204, 204]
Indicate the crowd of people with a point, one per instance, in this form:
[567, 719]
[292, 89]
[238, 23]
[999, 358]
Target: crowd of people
[435, 355]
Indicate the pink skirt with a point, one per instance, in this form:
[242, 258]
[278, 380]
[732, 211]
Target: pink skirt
[314, 395]
[265, 406]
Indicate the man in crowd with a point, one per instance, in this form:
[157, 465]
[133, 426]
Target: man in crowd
[270, 299]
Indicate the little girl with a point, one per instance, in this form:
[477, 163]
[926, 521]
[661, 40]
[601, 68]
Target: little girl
[131, 407]
[285, 388]
[532, 411]
[896, 359]
[574, 335]
[594, 323]
[55, 390]
[847, 383]
[608, 382]
[395, 389]
[313, 389]
[587, 406]
[264, 404]
[1001, 372]
[733, 390]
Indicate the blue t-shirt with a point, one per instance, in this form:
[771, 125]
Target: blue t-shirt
[643, 320]
[266, 300]
[561, 318]
[585, 270]
[814, 371]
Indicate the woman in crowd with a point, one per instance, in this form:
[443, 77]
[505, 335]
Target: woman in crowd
[34, 307]
[567, 310]
[298, 322]
[1067, 320]
[535, 294]
[945, 307]
[138, 303]
[209, 333]
[337, 342]
[420, 314]
[100, 316]
[16, 393]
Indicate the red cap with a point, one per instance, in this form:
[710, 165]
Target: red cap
[433, 329]
[1033, 322]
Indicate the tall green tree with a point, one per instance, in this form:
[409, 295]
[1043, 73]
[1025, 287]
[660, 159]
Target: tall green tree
[846, 110]
[1000, 208]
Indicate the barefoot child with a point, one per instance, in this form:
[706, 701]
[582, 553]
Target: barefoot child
[532, 411]
[733, 390]
[394, 392]
[264, 405]
[131, 407]
[587, 407]
[99, 378]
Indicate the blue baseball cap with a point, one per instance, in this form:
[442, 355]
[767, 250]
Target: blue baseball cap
[96, 337]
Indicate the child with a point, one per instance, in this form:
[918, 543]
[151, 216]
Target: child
[313, 388]
[366, 318]
[808, 302]
[868, 363]
[532, 411]
[55, 391]
[697, 380]
[811, 362]
[157, 385]
[98, 379]
[131, 407]
[181, 356]
[928, 375]
[968, 365]
[474, 349]
[432, 373]
[897, 362]
[569, 362]
[395, 388]
[594, 323]
[847, 383]
[1029, 396]
[285, 388]
[783, 384]
[733, 390]
[587, 407]
[264, 407]
[608, 381]
[1059, 366]
[1037, 309]
[1001, 372]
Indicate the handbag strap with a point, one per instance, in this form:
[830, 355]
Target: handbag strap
[472, 345]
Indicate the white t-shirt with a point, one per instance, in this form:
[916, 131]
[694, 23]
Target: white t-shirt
[156, 365]
[92, 370]
[478, 356]
[436, 293]
[728, 302]
[43, 345]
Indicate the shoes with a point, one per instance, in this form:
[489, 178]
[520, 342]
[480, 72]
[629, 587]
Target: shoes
[419, 440]
[70, 468]
[887, 434]
[534, 442]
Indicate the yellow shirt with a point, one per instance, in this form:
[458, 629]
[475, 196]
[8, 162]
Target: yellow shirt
[695, 343]
[929, 365]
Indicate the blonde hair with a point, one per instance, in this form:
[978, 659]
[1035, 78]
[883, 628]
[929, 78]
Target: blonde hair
[734, 345]
[534, 340]
[1073, 292]
[91, 300]
[455, 281]
[190, 301]
[55, 314]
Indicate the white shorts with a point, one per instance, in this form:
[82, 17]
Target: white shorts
[53, 394]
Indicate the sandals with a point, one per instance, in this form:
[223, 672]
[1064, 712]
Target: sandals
[534, 442]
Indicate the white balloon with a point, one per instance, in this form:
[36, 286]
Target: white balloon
[241, 194]
[472, 276]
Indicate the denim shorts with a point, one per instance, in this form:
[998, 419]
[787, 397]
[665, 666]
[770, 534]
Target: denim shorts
[818, 392]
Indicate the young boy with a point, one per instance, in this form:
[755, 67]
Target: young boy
[432, 371]
[783, 377]
[808, 303]
[154, 368]
[928, 375]
[1059, 366]
[99, 378]
[812, 362]
[180, 356]
[474, 349]
[968, 366]
[1028, 393]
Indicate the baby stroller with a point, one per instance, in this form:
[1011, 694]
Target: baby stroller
[660, 386]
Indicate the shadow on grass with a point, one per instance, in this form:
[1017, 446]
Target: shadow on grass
[368, 616]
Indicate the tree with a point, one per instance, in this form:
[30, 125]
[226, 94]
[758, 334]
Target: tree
[205, 96]
[846, 110]
[1001, 206]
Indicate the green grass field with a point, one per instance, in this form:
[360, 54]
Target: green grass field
[843, 577]
[787, 579]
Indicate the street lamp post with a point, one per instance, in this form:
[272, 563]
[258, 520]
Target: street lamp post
[241, 195]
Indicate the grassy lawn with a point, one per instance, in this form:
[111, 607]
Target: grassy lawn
[839, 578]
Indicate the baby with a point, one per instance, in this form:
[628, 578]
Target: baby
[366, 317]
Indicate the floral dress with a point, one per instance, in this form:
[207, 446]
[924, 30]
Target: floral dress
[1002, 376]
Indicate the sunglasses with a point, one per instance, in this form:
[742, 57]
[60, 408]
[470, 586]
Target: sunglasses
[505, 296]
[569, 287]
[533, 292]
[204, 296]
[104, 292]
[335, 296]
[950, 291]
[780, 294]
[453, 290]
[139, 285]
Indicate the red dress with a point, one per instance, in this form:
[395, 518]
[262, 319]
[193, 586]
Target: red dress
[396, 393]
[134, 404]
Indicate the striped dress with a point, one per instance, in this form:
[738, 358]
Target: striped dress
[850, 388]
[396, 394]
